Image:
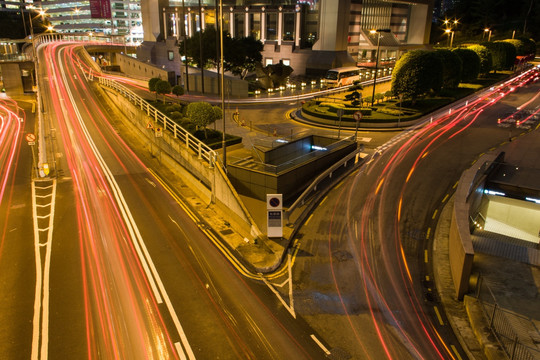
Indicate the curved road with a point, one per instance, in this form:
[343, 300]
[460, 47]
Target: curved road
[362, 270]
[121, 270]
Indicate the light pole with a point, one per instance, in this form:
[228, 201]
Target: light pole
[450, 36]
[222, 82]
[487, 30]
[378, 32]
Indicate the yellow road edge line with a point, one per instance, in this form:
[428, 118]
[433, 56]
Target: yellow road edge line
[445, 198]
[438, 315]
[426, 259]
[434, 214]
[428, 232]
[224, 250]
[454, 349]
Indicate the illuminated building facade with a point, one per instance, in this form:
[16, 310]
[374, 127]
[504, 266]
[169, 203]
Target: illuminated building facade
[311, 36]
[122, 17]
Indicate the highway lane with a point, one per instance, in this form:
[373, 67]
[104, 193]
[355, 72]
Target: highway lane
[131, 273]
[364, 259]
[16, 246]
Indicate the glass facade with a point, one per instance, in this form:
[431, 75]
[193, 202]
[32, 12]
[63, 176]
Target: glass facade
[271, 26]
[75, 17]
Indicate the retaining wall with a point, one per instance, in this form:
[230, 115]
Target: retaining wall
[209, 182]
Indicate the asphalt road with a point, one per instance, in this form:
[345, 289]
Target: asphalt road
[17, 275]
[362, 273]
[117, 268]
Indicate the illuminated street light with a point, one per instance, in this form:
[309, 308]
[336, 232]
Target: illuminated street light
[450, 36]
[379, 31]
[487, 30]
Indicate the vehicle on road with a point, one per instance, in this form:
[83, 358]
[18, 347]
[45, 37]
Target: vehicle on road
[342, 76]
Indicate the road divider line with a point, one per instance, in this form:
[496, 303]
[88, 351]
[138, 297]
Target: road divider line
[318, 342]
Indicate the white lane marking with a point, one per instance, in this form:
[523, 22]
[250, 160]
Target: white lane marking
[138, 241]
[150, 182]
[320, 344]
[41, 296]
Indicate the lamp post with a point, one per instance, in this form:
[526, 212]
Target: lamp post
[450, 36]
[222, 82]
[487, 30]
[379, 31]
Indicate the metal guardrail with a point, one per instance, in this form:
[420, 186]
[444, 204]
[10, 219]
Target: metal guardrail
[502, 325]
[202, 150]
[313, 186]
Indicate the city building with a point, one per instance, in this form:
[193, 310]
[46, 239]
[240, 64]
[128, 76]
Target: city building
[116, 17]
[311, 36]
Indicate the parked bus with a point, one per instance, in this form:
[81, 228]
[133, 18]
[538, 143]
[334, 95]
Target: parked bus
[342, 76]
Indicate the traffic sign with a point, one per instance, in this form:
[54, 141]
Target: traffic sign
[30, 137]
[159, 133]
[357, 116]
[149, 126]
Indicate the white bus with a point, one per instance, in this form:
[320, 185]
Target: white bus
[342, 76]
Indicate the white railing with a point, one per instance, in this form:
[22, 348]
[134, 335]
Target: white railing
[202, 150]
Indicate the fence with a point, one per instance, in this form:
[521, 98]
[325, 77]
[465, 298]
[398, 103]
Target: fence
[202, 150]
[509, 328]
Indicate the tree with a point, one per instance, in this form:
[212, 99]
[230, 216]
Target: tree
[242, 55]
[452, 68]
[499, 54]
[152, 84]
[202, 114]
[163, 87]
[177, 90]
[519, 45]
[485, 58]
[510, 53]
[388, 94]
[529, 46]
[276, 74]
[471, 63]
[417, 73]
[193, 50]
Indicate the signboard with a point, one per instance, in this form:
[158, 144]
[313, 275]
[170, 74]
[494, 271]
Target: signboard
[30, 137]
[274, 207]
[100, 9]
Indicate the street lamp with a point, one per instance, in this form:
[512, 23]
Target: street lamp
[450, 36]
[487, 30]
[224, 144]
[378, 31]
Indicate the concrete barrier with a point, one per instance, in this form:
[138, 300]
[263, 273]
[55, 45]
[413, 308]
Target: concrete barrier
[460, 248]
